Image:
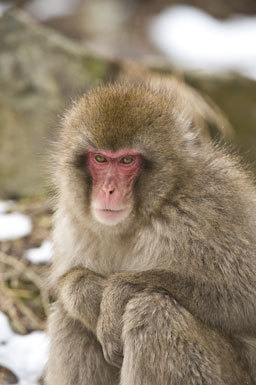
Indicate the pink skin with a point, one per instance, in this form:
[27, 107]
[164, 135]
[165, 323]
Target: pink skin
[113, 180]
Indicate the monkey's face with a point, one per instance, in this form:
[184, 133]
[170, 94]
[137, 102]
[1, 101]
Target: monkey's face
[123, 152]
[113, 175]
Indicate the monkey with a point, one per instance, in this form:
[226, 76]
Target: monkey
[154, 264]
[208, 118]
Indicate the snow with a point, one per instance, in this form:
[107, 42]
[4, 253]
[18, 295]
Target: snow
[14, 226]
[25, 355]
[42, 254]
[3, 8]
[44, 9]
[5, 206]
[5, 329]
[192, 39]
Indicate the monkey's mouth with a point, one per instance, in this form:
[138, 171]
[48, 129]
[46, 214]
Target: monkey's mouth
[111, 210]
[110, 216]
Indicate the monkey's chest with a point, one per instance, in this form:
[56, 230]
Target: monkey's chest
[142, 253]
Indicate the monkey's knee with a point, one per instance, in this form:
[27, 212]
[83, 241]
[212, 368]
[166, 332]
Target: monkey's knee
[167, 345]
[75, 354]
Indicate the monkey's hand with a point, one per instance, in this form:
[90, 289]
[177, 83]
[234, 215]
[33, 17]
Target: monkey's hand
[80, 292]
[116, 295]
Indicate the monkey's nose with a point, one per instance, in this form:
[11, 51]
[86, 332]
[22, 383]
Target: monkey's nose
[108, 190]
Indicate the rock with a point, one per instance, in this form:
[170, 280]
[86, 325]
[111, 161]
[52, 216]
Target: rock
[40, 72]
[7, 376]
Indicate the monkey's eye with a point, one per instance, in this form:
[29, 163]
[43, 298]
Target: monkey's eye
[128, 159]
[100, 158]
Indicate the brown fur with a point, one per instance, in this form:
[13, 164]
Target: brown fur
[167, 296]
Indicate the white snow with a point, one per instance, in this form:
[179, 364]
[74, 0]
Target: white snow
[3, 8]
[5, 206]
[25, 355]
[5, 330]
[42, 254]
[192, 39]
[45, 9]
[14, 225]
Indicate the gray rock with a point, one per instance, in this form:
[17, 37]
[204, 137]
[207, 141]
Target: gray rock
[40, 72]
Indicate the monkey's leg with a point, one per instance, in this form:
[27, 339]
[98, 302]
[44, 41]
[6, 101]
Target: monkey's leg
[165, 345]
[75, 355]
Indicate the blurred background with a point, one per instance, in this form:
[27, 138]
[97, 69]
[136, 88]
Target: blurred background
[51, 51]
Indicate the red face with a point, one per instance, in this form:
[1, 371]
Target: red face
[113, 175]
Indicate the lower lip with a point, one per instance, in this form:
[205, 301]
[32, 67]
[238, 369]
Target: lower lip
[109, 216]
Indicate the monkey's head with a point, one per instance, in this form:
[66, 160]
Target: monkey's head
[122, 151]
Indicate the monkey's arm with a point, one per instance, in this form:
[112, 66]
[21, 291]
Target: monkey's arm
[227, 305]
[217, 303]
[80, 292]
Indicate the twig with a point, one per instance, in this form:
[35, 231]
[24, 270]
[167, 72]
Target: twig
[23, 269]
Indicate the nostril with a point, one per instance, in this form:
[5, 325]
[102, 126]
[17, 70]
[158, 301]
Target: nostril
[108, 190]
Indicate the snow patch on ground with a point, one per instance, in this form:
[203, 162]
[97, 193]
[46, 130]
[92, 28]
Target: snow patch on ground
[42, 254]
[14, 226]
[25, 355]
[192, 39]
[5, 206]
[45, 9]
[3, 8]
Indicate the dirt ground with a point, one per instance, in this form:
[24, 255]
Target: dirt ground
[23, 286]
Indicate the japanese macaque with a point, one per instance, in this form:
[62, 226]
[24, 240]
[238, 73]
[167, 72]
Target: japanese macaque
[155, 247]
